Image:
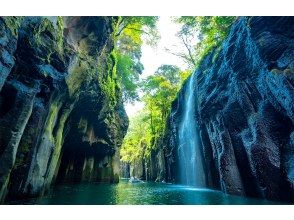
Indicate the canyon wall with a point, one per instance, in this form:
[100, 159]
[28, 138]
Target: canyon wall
[244, 91]
[61, 114]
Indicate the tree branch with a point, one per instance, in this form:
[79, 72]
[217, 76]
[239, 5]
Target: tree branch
[189, 50]
[130, 28]
[184, 56]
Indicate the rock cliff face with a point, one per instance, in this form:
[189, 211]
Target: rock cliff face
[61, 113]
[245, 111]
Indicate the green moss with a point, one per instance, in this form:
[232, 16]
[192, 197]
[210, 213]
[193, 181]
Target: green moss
[59, 36]
[83, 70]
[109, 86]
[57, 43]
[59, 136]
[78, 74]
[51, 120]
[43, 26]
[102, 68]
[48, 58]
[276, 71]
[13, 23]
[216, 54]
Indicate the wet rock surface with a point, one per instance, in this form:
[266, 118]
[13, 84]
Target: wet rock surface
[59, 100]
[245, 95]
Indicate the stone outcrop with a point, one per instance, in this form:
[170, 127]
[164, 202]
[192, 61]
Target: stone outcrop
[245, 95]
[61, 112]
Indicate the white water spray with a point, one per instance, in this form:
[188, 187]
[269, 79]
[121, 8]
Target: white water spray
[190, 154]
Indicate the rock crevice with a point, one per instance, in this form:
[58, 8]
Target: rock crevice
[59, 101]
[245, 95]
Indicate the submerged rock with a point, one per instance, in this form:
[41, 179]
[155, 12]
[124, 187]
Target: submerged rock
[61, 112]
[244, 92]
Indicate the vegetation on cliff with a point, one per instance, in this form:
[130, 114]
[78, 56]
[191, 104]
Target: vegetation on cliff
[57, 71]
[158, 90]
[199, 35]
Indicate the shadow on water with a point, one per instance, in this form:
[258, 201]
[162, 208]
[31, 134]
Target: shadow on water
[137, 194]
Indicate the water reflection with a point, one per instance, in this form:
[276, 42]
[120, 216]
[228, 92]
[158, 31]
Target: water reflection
[137, 194]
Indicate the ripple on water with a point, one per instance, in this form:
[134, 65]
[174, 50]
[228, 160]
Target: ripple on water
[137, 194]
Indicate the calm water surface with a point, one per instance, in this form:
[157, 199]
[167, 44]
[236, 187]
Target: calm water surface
[137, 194]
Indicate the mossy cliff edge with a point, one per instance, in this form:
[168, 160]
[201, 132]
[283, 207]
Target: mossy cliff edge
[61, 112]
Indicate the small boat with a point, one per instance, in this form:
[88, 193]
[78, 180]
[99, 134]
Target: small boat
[135, 180]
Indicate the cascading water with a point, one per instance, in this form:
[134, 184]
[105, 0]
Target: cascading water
[189, 152]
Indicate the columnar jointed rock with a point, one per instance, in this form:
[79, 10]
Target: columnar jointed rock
[60, 106]
[245, 92]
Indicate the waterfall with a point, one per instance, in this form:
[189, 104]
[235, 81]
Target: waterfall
[190, 157]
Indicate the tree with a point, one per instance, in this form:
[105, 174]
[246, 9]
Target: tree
[159, 90]
[130, 34]
[170, 73]
[210, 32]
[136, 140]
[128, 70]
[136, 27]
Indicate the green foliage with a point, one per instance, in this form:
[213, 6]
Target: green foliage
[170, 72]
[184, 75]
[130, 33]
[136, 27]
[159, 91]
[148, 125]
[210, 31]
[128, 73]
[137, 138]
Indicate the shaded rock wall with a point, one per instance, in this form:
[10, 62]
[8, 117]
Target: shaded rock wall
[159, 167]
[61, 113]
[245, 96]
[125, 170]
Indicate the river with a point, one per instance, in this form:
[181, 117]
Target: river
[126, 193]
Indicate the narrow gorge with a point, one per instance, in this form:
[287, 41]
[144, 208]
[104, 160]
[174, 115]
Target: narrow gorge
[228, 137]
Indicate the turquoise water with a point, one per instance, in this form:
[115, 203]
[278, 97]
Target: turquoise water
[136, 194]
